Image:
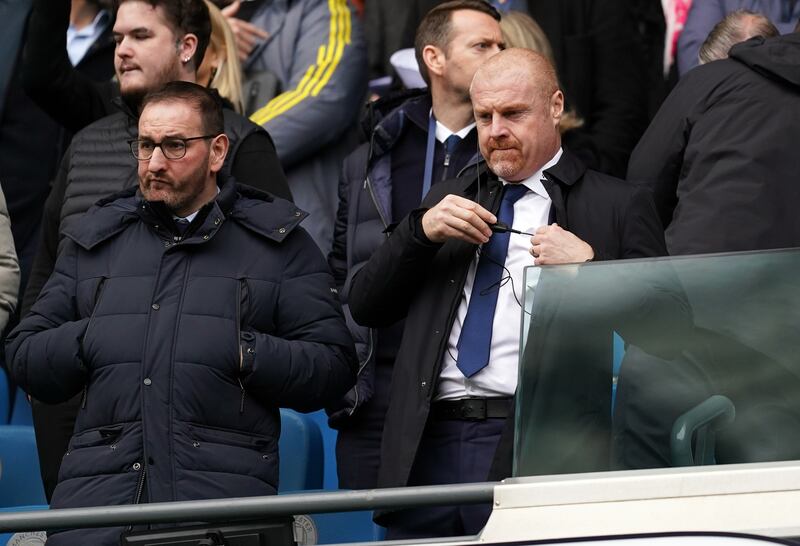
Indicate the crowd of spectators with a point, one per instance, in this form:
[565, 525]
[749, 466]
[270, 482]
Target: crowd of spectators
[318, 112]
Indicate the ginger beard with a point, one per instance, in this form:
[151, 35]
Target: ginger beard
[504, 156]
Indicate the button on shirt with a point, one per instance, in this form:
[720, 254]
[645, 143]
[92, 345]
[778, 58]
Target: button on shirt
[499, 378]
[79, 41]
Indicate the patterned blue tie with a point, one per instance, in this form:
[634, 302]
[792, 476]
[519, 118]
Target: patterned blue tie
[475, 340]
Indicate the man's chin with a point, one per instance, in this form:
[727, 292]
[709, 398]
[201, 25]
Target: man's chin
[165, 197]
[133, 92]
[505, 169]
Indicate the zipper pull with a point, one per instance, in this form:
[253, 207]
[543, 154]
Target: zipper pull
[85, 394]
[447, 160]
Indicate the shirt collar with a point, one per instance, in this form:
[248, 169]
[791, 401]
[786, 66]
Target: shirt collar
[100, 21]
[442, 132]
[534, 182]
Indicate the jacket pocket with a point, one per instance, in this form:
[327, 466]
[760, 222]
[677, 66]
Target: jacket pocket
[96, 437]
[231, 438]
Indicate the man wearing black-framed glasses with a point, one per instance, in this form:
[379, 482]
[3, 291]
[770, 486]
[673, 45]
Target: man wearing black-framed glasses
[187, 310]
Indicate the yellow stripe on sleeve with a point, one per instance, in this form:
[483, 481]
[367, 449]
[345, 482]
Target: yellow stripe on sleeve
[317, 75]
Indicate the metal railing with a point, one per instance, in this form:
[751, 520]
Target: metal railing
[249, 508]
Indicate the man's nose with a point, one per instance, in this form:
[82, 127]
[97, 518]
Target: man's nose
[123, 48]
[157, 161]
[498, 127]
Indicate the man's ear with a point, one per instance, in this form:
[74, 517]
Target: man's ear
[217, 153]
[434, 59]
[557, 105]
[187, 47]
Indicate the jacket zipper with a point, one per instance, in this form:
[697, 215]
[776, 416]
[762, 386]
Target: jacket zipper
[139, 490]
[239, 341]
[368, 186]
[361, 367]
[140, 486]
[98, 292]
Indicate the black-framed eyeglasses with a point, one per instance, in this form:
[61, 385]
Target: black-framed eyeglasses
[172, 147]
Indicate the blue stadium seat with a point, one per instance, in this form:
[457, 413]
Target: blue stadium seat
[21, 410]
[5, 398]
[301, 454]
[20, 482]
[330, 477]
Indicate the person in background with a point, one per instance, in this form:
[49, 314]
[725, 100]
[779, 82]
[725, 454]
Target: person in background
[720, 156]
[594, 46]
[704, 14]
[520, 30]
[220, 68]
[736, 27]
[33, 142]
[316, 50]
[413, 143]
[9, 267]
[187, 320]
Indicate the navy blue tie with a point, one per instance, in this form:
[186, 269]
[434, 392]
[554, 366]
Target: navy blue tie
[450, 145]
[475, 340]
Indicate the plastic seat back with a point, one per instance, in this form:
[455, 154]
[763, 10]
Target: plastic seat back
[5, 398]
[20, 481]
[21, 410]
[301, 455]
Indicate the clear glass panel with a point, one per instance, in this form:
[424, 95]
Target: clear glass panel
[663, 362]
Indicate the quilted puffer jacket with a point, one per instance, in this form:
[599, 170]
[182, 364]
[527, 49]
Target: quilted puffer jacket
[184, 346]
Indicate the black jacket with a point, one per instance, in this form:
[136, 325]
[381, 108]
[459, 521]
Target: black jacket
[33, 142]
[721, 155]
[366, 211]
[152, 330]
[411, 277]
[595, 53]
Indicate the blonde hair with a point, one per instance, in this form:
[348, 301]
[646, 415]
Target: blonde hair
[520, 30]
[227, 77]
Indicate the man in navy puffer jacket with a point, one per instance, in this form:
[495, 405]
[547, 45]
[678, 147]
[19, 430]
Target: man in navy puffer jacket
[188, 311]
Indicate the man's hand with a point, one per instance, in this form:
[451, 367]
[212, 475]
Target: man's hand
[555, 245]
[455, 217]
[247, 34]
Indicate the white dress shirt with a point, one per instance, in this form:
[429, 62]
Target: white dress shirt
[79, 41]
[499, 378]
[443, 133]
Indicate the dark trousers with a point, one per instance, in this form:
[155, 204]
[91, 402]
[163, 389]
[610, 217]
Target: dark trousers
[451, 451]
[358, 444]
